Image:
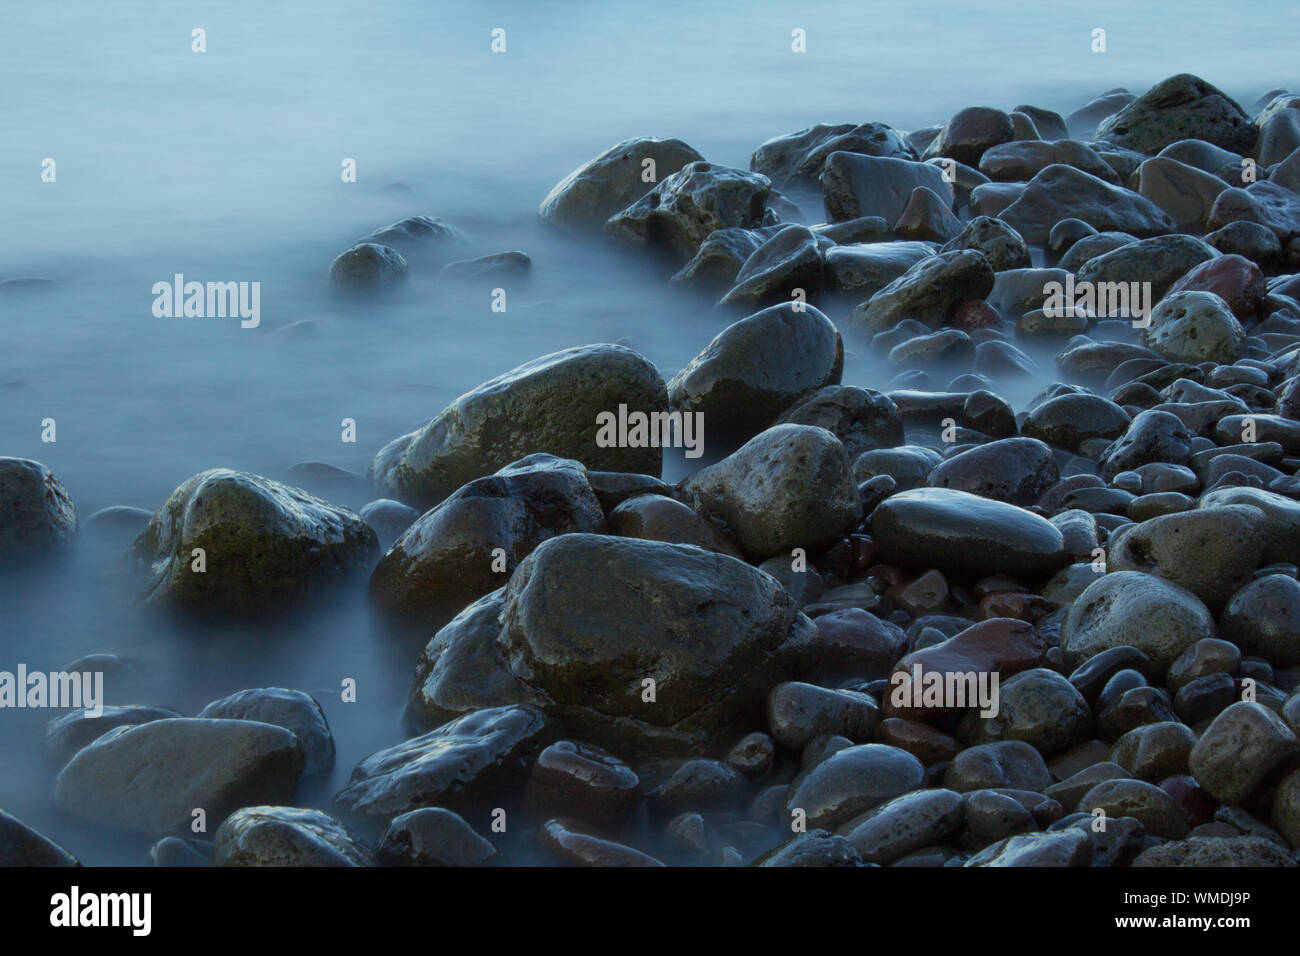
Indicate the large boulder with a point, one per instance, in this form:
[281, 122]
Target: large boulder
[854, 185]
[229, 542]
[614, 180]
[1181, 107]
[552, 404]
[37, 515]
[1063, 192]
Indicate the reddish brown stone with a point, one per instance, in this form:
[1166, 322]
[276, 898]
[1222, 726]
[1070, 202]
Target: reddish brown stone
[1197, 805]
[1233, 278]
[1021, 606]
[922, 741]
[856, 643]
[975, 314]
[926, 594]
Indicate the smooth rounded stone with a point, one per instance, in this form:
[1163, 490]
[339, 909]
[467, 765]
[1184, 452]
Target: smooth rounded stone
[1264, 427]
[1016, 291]
[1285, 815]
[1279, 137]
[1066, 233]
[682, 209]
[1085, 358]
[1092, 246]
[495, 266]
[1195, 327]
[799, 157]
[861, 418]
[757, 368]
[992, 816]
[1158, 477]
[554, 404]
[1059, 192]
[904, 825]
[1098, 501]
[1047, 124]
[925, 743]
[798, 712]
[990, 199]
[855, 185]
[1007, 763]
[1093, 674]
[1083, 121]
[790, 486]
[907, 465]
[175, 852]
[1142, 801]
[461, 765]
[711, 632]
[851, 782]
[367, 267]
[1263, 618]
[787, 262]
[1183, 191]
[1180, 107]
[998, 359]
[999, 243]
[863, 230]
[68, 733]
[1039, 707]
[1071, 762]
[1209, 656]
[1063, 848]
[954, 530]
[266, 546]
[697, 785]
[1159, 261]
[433, 836]
[1211, 552]
[1151, 436]
[115, 526]
[752, 755]
[149, 777]
[1251, 240]
[864, 269]
[1234, 279]
[1205, 698]
[927, 217]
[583, 781]
[389, 519]
[285, 836]
[327, 481]
[945, 348]
[1068, 420]
[1204, 156]
[800, 579]
[20, 845]
[1072, 789]
[1020, 161]
[720, 257]
[1115, 846]
[37, 516]
[571, 846]
[470, 543]
[612, 488]
[818, 750]
[969, 133]
[854, 642]
[293, 710]
[1148, 612]
[1200, 851]
[1146, 507]
[417, 235]
[600, 187]
[1240, 753]
[1122, 706]
[1068, 583]
[657, 518]
[988, 413]
[928, 291]
[1283, 543]
[1153, 752]
[813, 848]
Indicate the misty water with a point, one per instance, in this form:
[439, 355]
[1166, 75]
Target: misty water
[225, 166]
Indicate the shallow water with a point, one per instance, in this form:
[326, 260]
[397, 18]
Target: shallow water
[225, 166]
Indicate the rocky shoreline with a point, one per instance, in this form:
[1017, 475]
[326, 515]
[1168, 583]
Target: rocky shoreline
[908, 624]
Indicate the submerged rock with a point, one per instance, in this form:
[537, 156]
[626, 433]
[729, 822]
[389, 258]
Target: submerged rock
[367, 267]
[291, 709]
[37, 516]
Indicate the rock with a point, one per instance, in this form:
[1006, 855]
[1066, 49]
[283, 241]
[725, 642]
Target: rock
[293, 710]
[1069, 420]
[1195, 327]
[286, 836]
[798, 158]
[572, 847]
[1181, 107]
[757, 368]
[1001, 244]
[970, 133]
[1153, 752]
[719, 259]
[929, 291]
[1234, 279]
[389, 519]
[907, 465]
[496, 266]
[367, 267]
[67, 734]
[1014, 470]
[1246, 748]
[927, 217]
[1265, 202]
[656, 518]
[854, 185]
[682, 209]
[1152, 436]
[433, 836]
[855, 643]
[1061, 848]
[813, 848]
[787, 262]
[1263, 618]
[1156, 616]
[265, 546]
[585, 781]
[753, 755]
[1063, 192]
[712, 633]
[1142, 801]
[1092, 246]
[1283, 514]
[417, 234]
[1211, 552]
[1212, 851]
[954, 530]
[20, 845]
[480, 757]
[851, 782]
[861, 418]
[612, 181]
[470, 543]
[866, 268]
[37, 516]
[705, 785]
[1020, 161]
[1187, 194]
[148, 778]
[1084, 120]
[114, 527]
[948, 348]
[1286, 808]
[1158, 261]
[553, 404]
[1252, 240]
[798, 712]
[905, 824]
[1007, 763]
[1073, 788]
[790, 486]
[1039, 707]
